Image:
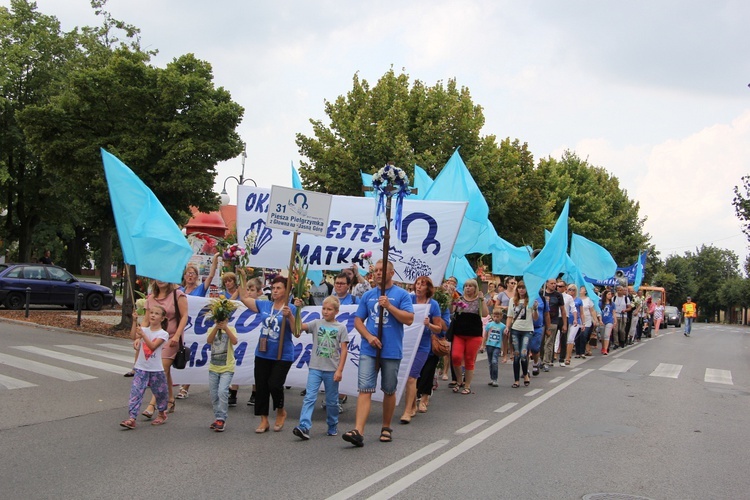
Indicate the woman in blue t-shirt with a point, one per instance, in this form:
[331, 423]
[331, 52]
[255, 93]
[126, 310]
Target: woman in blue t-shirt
[608, 318]
[270, 372]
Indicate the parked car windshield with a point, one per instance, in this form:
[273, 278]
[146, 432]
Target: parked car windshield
[57, 274]
[670, 310]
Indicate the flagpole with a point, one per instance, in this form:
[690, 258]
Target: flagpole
[286, 294]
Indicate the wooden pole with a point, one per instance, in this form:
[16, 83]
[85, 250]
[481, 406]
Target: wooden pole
[384, 267]
[286, 294]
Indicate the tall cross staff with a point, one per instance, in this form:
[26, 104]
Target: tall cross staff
[387, 182]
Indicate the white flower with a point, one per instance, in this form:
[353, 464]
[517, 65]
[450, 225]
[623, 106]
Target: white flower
[401, 174]
[391, 174]
[238, 253]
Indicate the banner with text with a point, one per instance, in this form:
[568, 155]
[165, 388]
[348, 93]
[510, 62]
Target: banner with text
[421, 248]
[247, 325]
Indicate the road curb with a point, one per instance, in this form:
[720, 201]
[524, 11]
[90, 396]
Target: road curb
[56, 328]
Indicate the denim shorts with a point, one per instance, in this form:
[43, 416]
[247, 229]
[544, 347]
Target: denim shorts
[368, 375]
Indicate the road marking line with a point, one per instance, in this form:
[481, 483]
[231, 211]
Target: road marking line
[667, 370]
[467, 444]
[533, 392]
[104, 354]
[505, 407]
[118, 347]
[391, 469]
[14, 383]
[61, 356]
[575, 370]
[468, 428]
[619, 365]
[43, 369]
[556, 380]
[718, 376]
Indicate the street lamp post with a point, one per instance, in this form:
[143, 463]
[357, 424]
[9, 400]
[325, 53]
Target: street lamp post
[224, 195]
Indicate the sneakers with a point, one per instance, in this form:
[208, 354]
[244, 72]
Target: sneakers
[213, 425]
[494, 383]
[301, 433]
[545, 368]
[251, 401]
[303, 392]
[219, 426]
[562, 364]
[232, 398]
[535, 370]
[333, 431]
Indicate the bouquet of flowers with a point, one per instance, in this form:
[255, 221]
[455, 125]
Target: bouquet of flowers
[366, 257]
[300, 290]
[442, 298]
[221, 309]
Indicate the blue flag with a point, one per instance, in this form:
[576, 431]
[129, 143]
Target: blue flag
[454, 183]
[640, 267]
[460, 268]
[552, 258]
[149, 238]
[367, 182]
[422, 182]
[296, 182]
[593, 260]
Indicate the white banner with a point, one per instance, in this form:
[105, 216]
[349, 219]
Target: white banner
[421, 248]
[247, 325]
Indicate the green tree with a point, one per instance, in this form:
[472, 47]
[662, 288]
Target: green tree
[600, 209]
[391, 121]
[741, 203]
[34, 52]
[711, 267]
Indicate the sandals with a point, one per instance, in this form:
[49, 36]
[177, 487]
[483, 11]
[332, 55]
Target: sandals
[160, 419]
[148, 414]
[526, 382]
[354, 437]
[516, 385]
[422, 407]
[261, 430]
[466, 390]
[386, 434]
[567, 361]
[183, 394]
[406, 419]
[452, 385]
[170, 406]
[128, 424]
[131, 373]
[457, 388]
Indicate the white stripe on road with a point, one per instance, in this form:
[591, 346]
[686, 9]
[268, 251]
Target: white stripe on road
[666, 370]
[505, 407]
[466, 445]
[468, 428]
[391, 469]
[118, 347]
[533, 392]
[43, 369]
[619, 365]
[718, 376]
[104, 354]
[556, 380]
[14, 383]
[61, 356]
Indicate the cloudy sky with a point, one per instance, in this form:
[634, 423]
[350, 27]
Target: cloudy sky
[655, 92]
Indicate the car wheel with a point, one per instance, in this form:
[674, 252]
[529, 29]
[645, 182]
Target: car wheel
[15, 301]
[94, 302]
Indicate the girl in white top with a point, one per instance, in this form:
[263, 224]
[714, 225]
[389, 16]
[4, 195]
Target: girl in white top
[149, 371]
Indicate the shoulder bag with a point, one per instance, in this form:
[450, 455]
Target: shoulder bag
[182, 357]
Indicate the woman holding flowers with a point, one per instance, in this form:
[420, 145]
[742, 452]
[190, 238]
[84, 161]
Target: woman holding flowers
[270, 372]
[467, 337]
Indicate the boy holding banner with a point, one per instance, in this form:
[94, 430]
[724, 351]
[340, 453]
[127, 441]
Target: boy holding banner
[380, 354]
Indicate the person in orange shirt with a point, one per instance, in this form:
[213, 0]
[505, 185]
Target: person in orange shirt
[689, 313]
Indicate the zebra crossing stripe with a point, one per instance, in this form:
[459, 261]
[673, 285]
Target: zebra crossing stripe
[61, 356]
[104, 354]
[43, 369]
[718, 376]
[118, 347]
[667, 370]
[14, 383]
[619, 365]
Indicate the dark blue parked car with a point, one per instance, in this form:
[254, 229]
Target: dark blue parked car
[50, 285]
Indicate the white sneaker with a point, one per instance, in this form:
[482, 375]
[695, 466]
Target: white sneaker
[562, 364]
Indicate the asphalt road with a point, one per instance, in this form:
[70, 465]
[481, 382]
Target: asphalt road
[666, 419]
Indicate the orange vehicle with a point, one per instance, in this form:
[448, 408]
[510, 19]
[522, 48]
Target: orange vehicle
[656, 293]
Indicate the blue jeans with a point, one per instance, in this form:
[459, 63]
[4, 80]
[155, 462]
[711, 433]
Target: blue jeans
[688, 325]
[314, 378]
[493, 353]
[520, 342]
[218, 389]
[367, 375]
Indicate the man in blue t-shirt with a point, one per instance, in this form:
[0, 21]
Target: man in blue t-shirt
[380, 354]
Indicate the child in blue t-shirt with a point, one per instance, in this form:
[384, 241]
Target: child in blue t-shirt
[493, 342]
